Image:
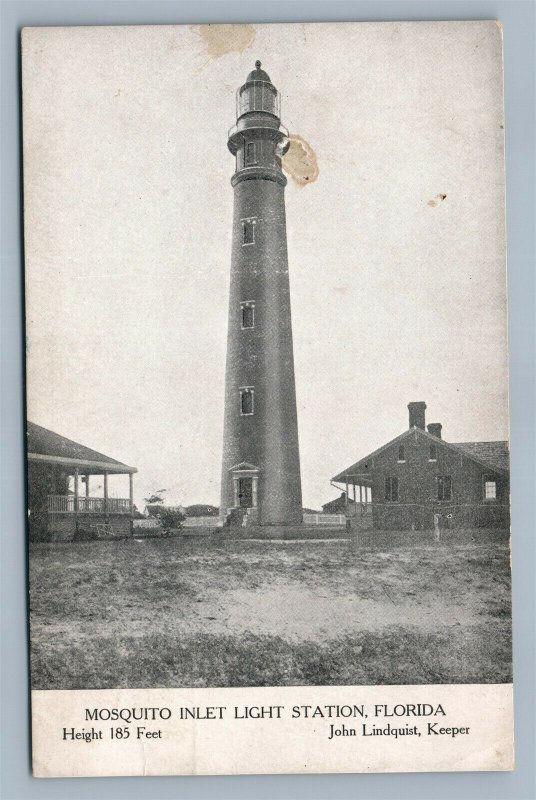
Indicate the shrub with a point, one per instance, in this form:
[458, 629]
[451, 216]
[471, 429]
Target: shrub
[170, 518]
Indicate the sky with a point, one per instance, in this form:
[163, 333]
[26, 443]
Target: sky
[396, 250]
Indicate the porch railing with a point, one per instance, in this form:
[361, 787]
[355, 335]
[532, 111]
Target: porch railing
[66, 504]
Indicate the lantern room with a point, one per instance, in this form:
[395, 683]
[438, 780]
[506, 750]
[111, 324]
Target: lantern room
[258, 94]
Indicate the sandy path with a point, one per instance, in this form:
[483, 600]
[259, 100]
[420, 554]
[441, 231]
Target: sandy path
[301, 613]
[295, 611]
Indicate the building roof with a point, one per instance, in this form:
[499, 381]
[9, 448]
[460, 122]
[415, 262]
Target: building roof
[490, 455]
[338, 502]
[353, 471]
[494, 453]
[258, 74]
[47, 446]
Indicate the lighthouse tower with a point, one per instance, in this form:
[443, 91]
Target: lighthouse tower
[261, 463]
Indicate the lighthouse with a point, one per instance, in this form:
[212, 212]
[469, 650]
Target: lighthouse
[261, 483]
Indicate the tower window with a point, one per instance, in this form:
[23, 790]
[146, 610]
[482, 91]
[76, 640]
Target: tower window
[401, 453]
[433, 453]
[490, 490]
[391, 489]
[444, 487]
[251, 154]
[248, 231]
[248, 315]
[246, 400]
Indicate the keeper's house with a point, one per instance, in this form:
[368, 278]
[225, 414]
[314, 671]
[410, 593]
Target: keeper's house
[418, 475]
[68, 487]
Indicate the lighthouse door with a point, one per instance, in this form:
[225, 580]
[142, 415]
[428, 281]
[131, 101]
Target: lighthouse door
[245, 492]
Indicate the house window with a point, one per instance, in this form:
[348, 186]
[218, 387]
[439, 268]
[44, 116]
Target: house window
[401, 455]
[444, 487]
[246, 400]
[248, 315]
[433, 453]
[248, 231]
[391, 489]
[490, 490]
[251, 155]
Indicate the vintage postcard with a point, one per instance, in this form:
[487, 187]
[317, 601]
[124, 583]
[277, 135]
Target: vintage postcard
[263, 541]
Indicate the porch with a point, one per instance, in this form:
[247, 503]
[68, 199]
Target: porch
[75, 492]
[79, 514]
[358, 500]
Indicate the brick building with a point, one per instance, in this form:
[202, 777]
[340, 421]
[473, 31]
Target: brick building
[418, 474]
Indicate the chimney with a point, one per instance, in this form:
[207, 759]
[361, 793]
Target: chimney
[435, 429]
[416, 415]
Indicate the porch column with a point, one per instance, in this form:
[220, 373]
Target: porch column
[105, 494]
[254, 490]
[87, 486]
[361, 495]
[346, 500]
[75, 476]
[236, 491]
[131, 496]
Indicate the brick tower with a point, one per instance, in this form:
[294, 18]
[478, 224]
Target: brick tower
[261, 463]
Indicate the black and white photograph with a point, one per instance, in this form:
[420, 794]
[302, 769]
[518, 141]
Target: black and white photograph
[267, 378]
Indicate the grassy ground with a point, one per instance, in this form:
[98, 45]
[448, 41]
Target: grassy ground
[164, 612]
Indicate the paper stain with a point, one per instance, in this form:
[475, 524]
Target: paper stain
[300, 161]
[220, 40]
[438, 199]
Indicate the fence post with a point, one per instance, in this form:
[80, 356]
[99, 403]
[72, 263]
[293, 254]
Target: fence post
[437, 533]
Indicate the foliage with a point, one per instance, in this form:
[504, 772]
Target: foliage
[155, 498]
[171, 518]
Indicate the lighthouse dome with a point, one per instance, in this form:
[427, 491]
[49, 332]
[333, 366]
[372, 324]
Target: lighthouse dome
[257, 94]
[258, 74]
